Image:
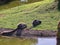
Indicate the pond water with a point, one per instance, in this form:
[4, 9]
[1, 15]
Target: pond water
[46, 41]
[27, 41]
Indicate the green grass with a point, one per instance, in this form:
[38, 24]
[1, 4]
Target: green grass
[9, 18]
[9, 5]
[15, 3]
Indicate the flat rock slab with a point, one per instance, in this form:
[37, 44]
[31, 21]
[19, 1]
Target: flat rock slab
[3, 30]
[30, 33]
[39, 33]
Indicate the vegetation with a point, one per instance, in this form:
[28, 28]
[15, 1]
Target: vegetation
[9, 5]
[59, 5]
[43, 10]
[14, 3]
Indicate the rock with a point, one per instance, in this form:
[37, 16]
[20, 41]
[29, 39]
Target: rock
[9, 33]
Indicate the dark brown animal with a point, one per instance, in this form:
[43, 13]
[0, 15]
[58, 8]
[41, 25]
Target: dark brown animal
[18, 30]
[36, 23]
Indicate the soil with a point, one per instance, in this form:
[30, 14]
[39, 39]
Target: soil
[30, 32]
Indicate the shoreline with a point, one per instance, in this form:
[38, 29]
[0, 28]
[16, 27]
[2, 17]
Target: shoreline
[32, 33]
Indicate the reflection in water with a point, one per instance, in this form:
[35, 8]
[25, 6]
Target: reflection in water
[17, 41]
[29, 41]
[46, 41]
[58, 41]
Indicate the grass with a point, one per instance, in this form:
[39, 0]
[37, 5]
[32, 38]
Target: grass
[9, 18]
[9, 5]
[15, 3]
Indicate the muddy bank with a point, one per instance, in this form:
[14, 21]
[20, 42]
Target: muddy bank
[30, 33]
[39, 33]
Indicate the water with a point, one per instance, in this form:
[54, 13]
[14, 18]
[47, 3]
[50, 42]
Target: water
[46, 41]
[27, 41]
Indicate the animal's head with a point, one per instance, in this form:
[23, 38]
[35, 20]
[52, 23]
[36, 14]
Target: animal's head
[21, 26]
[36, 23]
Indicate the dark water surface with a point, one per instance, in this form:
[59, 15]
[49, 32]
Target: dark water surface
[27, 41]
